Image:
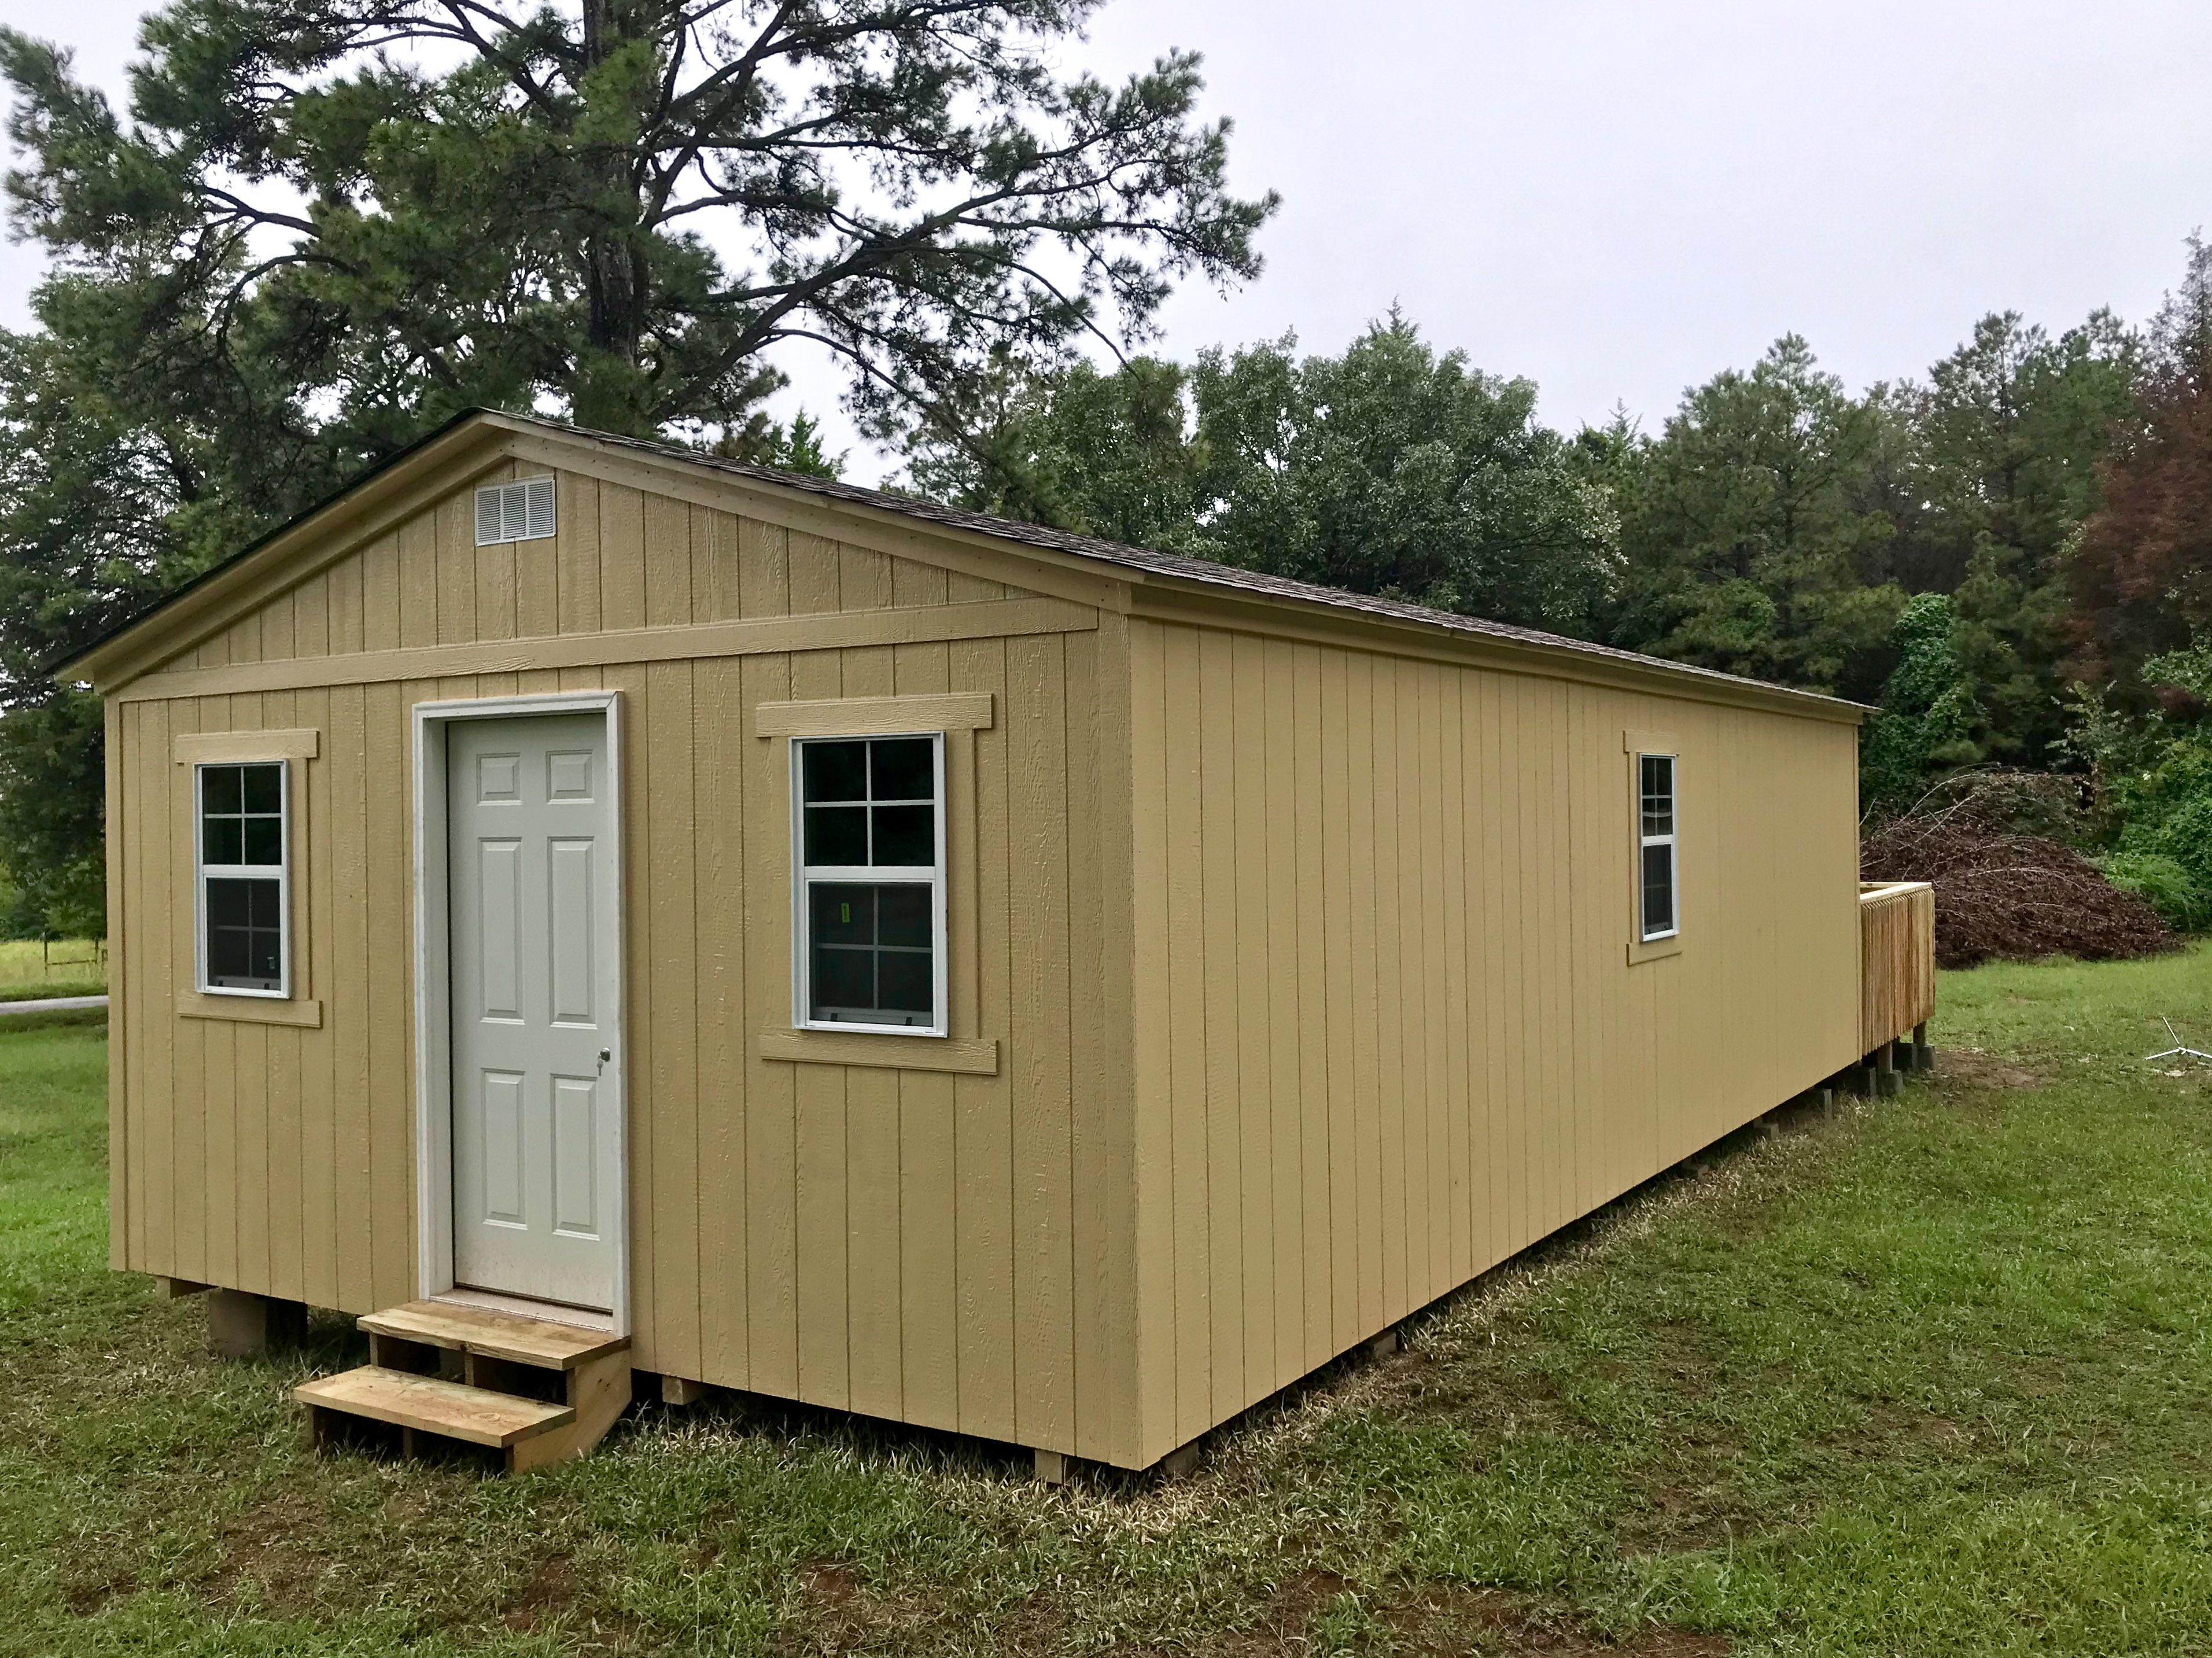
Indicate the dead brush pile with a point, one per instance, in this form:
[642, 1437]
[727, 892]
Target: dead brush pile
[2007, 885]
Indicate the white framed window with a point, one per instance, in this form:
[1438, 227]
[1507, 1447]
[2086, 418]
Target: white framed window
[242, 878]
[1658, 903]
[868, 918]
[514, 512]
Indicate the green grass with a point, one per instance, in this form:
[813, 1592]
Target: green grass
[67, 967]
[1928, 1377]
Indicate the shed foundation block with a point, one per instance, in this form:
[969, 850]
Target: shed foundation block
[1178, 1463]
[682, 1390]
[241, 1325]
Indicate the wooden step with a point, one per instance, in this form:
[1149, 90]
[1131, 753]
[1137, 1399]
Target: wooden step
[429, 1406]
[481, 1330]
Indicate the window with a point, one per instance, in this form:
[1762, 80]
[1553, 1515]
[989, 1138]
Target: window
[870, 920]
[244, 881]
[1654, 775]
[514, 512]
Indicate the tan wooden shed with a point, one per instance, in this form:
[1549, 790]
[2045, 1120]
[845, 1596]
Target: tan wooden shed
[589, 905]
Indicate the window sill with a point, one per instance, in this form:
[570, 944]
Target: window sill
[973, 1059]
[250, 1010]
[1656, 950]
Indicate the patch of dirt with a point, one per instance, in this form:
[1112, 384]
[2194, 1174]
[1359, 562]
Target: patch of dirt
[1969, 1067]
[261, 1546]
[557, 1599]
[1446, 1622]
[1682, 1519]
[839, 1615]
[1442, 1621]
[1281, 1628]
[550, 1592]
[829, 1587]
[85, 1596]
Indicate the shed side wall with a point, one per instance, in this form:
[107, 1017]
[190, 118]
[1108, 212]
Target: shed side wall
[1388, 1033]
[948, 1249]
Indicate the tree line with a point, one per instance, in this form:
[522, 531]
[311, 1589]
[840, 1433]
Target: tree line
[1922, 542]
[321, 227]
[2010, 556]
[2002, 553]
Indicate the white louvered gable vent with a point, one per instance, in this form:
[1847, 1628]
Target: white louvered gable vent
[514, 512]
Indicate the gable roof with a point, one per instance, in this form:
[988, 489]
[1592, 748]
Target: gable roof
[1142, 562]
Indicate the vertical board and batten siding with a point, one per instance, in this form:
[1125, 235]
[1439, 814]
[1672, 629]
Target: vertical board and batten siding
[953, 1250]
[1307, 962]
[1388, 1032]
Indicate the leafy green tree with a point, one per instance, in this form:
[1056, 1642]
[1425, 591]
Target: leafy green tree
[796, 447]
[2013, 426]
[1744, 537]
[328, 224]
[414, 206]
[1103, 455]
[1928, 710]
[1388, 469]
[1393, 470]
[2141, 579]
[101, 509]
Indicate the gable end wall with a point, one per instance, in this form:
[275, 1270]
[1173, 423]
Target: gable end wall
[943, 1249]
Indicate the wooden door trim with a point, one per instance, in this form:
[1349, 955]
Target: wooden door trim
[433, 1024]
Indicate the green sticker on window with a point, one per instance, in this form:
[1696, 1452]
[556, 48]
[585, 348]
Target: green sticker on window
[845, 915]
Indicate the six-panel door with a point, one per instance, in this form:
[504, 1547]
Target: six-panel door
[531, 884]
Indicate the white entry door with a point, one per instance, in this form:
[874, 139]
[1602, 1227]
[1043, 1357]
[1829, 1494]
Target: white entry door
[531, 879]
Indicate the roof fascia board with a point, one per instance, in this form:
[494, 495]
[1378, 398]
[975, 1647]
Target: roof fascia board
[1161, 598]
[293, 555]
[1054, 575]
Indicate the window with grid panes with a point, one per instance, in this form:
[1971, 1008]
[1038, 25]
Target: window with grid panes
[870, 920]
[1656, 848]
[243, 877]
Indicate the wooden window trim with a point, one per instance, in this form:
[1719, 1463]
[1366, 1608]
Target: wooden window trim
[877, 716]
[812, 1045]
[802, 873]
[293, 750]
[244, 747]
[251, 1009]
[964, 1048]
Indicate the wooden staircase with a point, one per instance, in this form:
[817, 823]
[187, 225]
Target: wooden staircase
[533, 1391]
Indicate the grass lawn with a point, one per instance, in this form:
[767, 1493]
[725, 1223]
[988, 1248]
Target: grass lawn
[1930, 1377]
[66, 966]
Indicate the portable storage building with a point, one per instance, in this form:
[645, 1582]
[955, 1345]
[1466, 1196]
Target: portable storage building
[873, 955]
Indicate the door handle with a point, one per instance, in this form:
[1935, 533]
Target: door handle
[605, 1054]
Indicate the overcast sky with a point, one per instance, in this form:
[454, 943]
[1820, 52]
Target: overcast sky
[1619, 199]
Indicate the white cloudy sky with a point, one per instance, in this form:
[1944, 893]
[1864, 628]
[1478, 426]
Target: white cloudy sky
[1619, 198]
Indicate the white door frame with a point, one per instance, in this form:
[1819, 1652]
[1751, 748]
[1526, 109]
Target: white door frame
[434, 1026]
